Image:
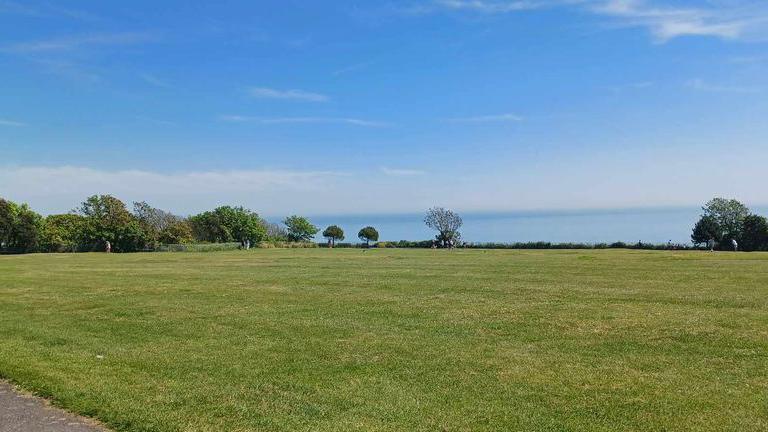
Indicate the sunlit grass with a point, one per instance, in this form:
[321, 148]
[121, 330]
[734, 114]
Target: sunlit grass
[405, 340]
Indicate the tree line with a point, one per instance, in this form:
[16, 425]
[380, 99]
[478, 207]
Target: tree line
[103, 221]
[104, 218]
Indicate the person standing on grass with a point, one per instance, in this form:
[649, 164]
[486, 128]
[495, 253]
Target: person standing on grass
[735, 245]
[107, 247]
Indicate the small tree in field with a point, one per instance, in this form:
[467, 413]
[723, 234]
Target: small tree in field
[446, 223]
[333, 233]
[300, 229]
[368, 234]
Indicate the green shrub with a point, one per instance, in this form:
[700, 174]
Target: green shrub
[286, 245]
[198, 247]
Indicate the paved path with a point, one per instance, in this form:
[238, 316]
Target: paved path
[22, 413]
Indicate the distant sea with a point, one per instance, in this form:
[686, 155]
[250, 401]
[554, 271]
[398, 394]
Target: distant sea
[657, 225]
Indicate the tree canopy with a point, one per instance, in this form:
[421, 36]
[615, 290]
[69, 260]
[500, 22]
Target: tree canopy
[62, 233]
[19, 226]
[333, 233]
[728, 215]
[755, 235]
[445, 222]
[228, 224]
[706, 229]
[725, 220]
[108, 220]
[368, 234]
[300, 229]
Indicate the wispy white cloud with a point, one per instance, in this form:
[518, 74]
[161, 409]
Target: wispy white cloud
[269, 93]
[11, 123]
[733, 19]
[669, 22]
[353, 68]
[506, 117]
[73, 56]
[490, 6]
[286, 120]
[701, 85]
[71, 43]
[9, 7]
[69, 69]
[401, 172]
[44, 10]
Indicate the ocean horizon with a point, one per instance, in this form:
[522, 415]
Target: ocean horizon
[648, 225]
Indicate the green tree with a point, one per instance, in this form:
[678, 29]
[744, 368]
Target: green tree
[755, 233]
[729, 215]
[706, 229]
[333, 233]
[28, 229]
[108, 219]
[300, 229]
[368, 234]
[227, 224]
[19, 227]
[179, 232]
[9, 212]
[62, 233]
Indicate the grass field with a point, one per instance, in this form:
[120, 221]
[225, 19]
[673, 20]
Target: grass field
[394, 340]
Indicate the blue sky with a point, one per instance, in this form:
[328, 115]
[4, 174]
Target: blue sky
[384, 107]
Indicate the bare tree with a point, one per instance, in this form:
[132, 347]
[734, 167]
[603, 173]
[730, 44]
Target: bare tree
[446, 223]
[276, 231]
[155, 219]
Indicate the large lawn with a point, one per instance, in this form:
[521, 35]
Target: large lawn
[320, 340]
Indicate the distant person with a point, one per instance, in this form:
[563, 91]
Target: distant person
[711, 245]
[107, 247]
[735, 245]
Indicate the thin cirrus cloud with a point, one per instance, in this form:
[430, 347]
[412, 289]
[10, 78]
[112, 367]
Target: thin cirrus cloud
[299, 120]
[735, 19]
[401, 172]
[489, 6]
[699, 84]
[71, 43]
[45, 10]
[505, 117]
[299, 95]
[11, 123]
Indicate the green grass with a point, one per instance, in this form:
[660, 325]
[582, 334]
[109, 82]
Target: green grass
[339, 340]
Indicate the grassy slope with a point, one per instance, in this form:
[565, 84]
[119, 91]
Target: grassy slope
[393, 339]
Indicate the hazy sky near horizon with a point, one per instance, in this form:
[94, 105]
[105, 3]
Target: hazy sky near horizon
[384, 107]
